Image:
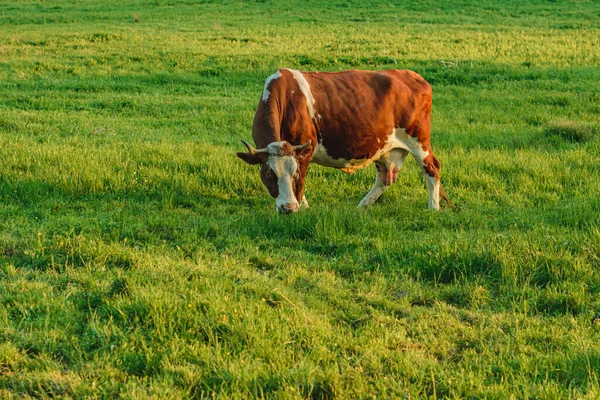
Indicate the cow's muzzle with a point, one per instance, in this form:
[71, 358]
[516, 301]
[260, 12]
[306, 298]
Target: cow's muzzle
[288, 208]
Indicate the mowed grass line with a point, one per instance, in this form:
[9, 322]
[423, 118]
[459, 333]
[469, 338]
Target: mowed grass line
[140, 258]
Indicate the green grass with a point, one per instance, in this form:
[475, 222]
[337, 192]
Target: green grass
[139, 258]
[571, 131]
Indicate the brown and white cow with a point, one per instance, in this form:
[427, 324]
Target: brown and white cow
[345, 120]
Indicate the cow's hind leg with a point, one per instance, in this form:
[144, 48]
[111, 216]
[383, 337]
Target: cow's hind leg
[431, 168]
[387, 173]
[432, 175]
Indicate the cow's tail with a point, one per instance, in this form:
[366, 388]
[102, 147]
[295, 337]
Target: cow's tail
[445, 198]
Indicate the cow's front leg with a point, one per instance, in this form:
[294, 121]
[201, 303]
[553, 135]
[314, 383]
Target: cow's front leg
[304, 203]
[381, 182]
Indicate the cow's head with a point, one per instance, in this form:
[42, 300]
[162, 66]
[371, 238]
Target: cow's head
[282, 171]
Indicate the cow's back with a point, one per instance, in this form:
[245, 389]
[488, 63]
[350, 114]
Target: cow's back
[350, 113]
[356, 111]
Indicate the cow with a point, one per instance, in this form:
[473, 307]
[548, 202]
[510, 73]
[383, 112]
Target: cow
[345, 120]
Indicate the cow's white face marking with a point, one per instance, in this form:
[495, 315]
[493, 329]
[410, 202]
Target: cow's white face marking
[266, 92]
[285, 168]
[305, 89]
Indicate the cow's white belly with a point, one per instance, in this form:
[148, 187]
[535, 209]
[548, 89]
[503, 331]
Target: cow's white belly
[398, 139]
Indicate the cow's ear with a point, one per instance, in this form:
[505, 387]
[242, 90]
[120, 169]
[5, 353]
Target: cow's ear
[251, 158]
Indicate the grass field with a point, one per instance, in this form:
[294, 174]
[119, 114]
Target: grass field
[139, 258]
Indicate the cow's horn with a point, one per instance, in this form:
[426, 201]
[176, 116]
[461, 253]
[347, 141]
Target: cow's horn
[301, 146]
[252, 150]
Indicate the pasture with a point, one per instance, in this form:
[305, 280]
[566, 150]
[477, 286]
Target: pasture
[140, 258]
